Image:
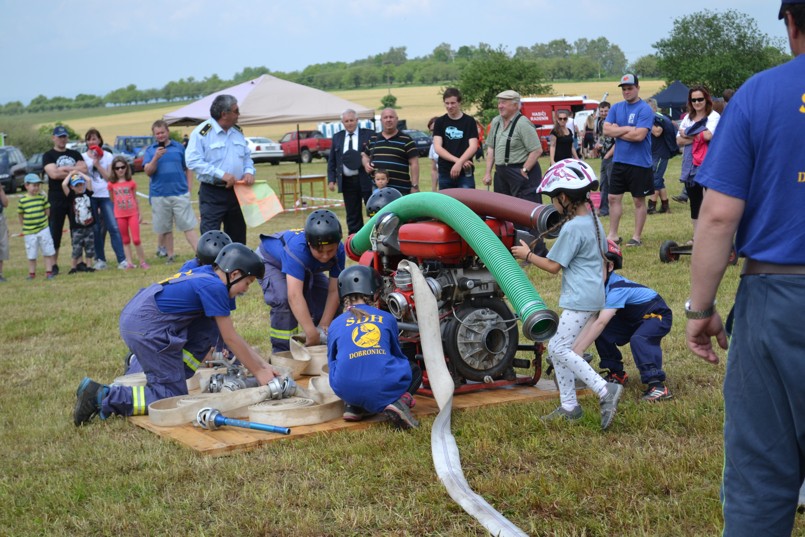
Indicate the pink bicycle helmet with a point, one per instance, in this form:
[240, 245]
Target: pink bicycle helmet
[570, 176]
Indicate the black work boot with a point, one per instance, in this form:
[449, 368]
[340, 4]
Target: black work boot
[652, 207]
[665, 208]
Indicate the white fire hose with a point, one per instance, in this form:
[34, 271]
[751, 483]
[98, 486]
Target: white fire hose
[446, 458]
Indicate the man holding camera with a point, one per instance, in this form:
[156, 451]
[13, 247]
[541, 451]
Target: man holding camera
[170, 189]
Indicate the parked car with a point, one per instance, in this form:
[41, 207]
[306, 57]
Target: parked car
[35, 165]
[310, 145]
[13, 168]
[265, 149]
[130, 145]
[137, 161]
[421, 140]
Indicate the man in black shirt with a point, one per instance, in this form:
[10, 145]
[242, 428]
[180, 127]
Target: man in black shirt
[58, 163]
[455, 139]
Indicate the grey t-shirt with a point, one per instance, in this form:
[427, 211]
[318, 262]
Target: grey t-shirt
[582, 265]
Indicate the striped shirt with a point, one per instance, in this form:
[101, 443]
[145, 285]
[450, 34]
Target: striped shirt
[392, 155]
[34, 213]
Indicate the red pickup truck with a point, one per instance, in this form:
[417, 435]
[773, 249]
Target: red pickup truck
[310, 145]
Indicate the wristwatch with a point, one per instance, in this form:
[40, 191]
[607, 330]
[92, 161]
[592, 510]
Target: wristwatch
[703, 314]
[525, 170]
[415, 186]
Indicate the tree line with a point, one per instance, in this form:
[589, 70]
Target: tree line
[717, 49]
[556, 60]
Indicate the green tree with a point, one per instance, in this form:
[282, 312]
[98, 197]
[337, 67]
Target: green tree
[486, 76]
[388, 101]
[13, 108]
[718, 49]
[443, 53]
[646, 66]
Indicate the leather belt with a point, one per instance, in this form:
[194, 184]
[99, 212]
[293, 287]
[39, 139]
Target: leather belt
[752, 267]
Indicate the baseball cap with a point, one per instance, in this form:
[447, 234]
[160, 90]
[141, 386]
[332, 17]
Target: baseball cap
[783, 4]
[32, 178]
[77, 180]
[60, 131]
[629, 80]
[510, 95]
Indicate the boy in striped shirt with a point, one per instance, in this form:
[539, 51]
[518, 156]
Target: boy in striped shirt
[33, 211]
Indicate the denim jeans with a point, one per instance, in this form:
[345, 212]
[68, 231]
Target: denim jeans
[462, 181]
[104, 213]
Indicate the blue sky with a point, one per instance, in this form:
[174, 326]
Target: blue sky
[65, 47]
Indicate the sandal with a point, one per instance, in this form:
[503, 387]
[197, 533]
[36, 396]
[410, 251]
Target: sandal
[618, 241]
[634, 242]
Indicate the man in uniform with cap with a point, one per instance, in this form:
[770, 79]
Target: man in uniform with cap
[219, 155]
[60, 163]
[755, 179]
[513, 148]
[630, 122]
[345, 169]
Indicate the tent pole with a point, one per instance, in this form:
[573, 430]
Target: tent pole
[299, 164]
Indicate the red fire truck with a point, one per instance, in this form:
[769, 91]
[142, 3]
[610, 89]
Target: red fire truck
[541, 112]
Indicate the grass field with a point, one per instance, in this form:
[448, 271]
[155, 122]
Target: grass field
[656, 471]
[417, 105]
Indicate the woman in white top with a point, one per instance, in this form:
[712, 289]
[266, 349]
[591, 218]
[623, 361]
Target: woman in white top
[695, 133]
[99, 168]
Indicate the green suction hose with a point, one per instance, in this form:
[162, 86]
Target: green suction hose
[539, 323]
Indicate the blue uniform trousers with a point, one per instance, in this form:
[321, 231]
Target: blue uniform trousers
[764, 403]
[158, 340]
[643, 335]
[275, 293]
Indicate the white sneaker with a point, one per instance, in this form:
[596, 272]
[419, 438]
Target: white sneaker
[100, 264]
[123, 265]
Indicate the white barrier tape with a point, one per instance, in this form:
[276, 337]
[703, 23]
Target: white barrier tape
[445, 453]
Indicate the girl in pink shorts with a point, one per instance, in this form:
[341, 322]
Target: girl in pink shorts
[127, 212]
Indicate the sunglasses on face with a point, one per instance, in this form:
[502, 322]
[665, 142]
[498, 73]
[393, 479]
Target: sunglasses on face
[120, 167]
[562, 119]
[697, 100]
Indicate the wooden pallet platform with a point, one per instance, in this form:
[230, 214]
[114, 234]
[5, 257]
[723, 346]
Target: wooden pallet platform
[228, 440]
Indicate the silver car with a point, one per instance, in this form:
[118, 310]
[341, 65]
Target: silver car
[264, 149]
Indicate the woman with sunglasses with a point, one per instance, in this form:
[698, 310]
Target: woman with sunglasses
[695, 133]
[561, 140]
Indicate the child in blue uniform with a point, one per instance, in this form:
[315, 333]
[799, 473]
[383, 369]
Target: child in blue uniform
[633, 314]
[209, 246]
[368, 369]
[579, 253]
[157, 325]
[301, 278]
[208, 338]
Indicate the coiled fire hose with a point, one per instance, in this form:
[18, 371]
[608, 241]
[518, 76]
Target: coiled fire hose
[446, 458]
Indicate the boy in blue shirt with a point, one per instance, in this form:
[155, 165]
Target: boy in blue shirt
[633, 314]
[301, 278]
[157, 325]
[368, 369]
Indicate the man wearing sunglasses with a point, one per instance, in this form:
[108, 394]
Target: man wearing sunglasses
[218, 154]
[629, 122]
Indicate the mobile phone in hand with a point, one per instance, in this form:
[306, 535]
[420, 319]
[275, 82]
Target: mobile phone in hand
[161, 144]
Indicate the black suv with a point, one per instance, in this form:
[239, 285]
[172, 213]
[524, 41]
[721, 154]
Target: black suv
[13, 168]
